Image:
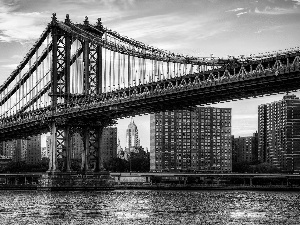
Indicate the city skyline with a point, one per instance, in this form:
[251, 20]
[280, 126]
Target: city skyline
[198, 28]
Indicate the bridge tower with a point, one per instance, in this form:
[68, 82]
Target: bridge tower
[62, 130]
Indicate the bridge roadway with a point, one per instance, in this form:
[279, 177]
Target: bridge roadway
[175, 93]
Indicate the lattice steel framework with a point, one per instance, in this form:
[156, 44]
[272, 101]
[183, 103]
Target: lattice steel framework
[60, 86]
[83, 77]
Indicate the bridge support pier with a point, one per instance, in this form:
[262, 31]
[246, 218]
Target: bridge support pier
[91, 155]
[68, 149]
[61, 147]
[53, 165]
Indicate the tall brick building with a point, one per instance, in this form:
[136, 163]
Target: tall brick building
[196, 140]
[245, 149]
[279, 133]
[27, 150]
[109, 144]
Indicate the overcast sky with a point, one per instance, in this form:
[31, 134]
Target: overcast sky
[191, 27]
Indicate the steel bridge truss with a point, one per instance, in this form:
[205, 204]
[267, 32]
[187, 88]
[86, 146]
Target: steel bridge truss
[82, 77]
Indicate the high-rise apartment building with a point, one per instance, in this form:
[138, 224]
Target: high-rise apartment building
[244, 149]
[27, 150]
[1, 148]
[44, 152]
[77, 146]
[8, 148]
[108, 147]
[17, 153]
[196, 140]
[279, 133]
[31, 152]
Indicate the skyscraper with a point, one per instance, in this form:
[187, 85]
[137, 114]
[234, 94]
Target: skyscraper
[279, 133]
[197, 140]
[132, 136]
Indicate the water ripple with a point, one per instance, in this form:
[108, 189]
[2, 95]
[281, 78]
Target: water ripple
[149, 207]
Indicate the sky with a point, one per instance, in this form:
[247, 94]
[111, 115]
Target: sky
[190, 27]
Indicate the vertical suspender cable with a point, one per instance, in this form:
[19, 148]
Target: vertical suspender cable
[109, 73]
[163, 70]
[140, 70]
[192, 69]
[47, 69]
[124, 70]
[104, 73]
[78, 75]
[20, 86]
[152, 69]
[30, 82]
[36, 76]
[119, 67]
[168, 70]
[114, 73]
[158, 70]
[133, 71]
[43, 82]
[129, 71]
[144, 70]
[155, 70]
[174, 71]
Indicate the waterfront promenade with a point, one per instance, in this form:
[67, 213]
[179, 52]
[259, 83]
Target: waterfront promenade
[151, 181]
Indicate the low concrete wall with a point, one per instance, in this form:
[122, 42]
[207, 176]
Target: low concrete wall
[121, 179]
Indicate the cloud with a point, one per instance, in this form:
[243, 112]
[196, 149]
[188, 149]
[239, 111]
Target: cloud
[19, 27]
[19, 23]
[241, 13]
[269, 28]
[171, 31]
[10, 66]
[238, 11]
[235, 10]
[17, 57]
[275, 11]
[297, 2]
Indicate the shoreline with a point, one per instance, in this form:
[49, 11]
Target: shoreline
[148, 187]
[200, 188]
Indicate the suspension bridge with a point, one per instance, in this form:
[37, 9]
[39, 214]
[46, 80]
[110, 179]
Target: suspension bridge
[82, 77]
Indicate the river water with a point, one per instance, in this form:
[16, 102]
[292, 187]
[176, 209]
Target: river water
[150, 207]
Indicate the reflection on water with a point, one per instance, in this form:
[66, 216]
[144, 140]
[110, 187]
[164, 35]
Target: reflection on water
[149, 207]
